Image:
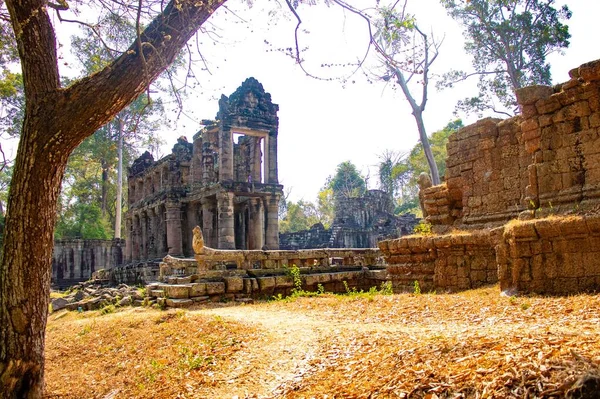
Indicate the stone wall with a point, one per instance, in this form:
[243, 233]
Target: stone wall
[448, 263]
[545, 160]
[74, 261]
[235, 275]
[556, 255]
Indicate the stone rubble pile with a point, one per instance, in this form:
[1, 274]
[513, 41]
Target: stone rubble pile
[92, 295]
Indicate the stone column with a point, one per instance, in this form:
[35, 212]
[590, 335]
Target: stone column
[173, 222]
[272, 176]
[208, 209]
[77, 268]
[161, 251]
[256, 159]
[272, 235]
[144, 236]
[135, 238]
[256, 227]
[128, 238]
[196, 165]
[226, 154]
[226, 238]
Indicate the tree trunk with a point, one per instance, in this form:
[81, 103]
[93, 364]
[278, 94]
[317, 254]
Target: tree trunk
[56, 121]
[118, 205]
[25, 266]
[435, 174]
[104, 199]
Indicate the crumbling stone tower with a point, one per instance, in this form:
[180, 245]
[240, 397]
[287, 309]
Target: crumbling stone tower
[226, 182]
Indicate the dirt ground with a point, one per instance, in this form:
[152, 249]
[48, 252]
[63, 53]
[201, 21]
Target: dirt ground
[476, 344]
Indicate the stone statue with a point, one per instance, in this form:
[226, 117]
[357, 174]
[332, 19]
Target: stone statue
[424, 182]
[198, 241]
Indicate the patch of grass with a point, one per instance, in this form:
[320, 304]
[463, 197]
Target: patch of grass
[108, 309]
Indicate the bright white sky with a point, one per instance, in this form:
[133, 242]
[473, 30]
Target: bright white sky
[323, 123]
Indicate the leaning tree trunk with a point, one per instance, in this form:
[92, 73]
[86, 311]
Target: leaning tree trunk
[56, 121]
[435, 174]
[119, 204]
[24, 267]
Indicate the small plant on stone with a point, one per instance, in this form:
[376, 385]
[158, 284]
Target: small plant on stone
[417, 288]
[386, 288]
[295, 273]
[277, 297]
[320, 289]
[108, 309]
[423, 228]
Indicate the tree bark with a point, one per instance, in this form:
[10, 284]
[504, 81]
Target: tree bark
[25, 265]
[119, 204]
[56, 121]
[417, 111]
[104, 194]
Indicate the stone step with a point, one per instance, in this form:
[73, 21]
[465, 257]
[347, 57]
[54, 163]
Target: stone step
[179, 303]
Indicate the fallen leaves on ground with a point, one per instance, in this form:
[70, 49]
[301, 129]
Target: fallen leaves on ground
[475, 344]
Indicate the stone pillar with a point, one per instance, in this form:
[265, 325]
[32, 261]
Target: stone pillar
[226, 154]
[196, 165]
[256, 227]
[256, 159]
[272, 235]
[161, 250]
[77, 267]
[144, 236]
[135, 238]
[226, 238]
[272, 176]
[131, 195]
[208, 209]
[173, 222]
[128, 238]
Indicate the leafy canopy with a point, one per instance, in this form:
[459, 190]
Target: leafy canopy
[509, 41]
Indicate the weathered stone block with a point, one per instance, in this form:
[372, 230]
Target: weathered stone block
[266, 284]
[284, 281]
[197, 289]
[178, 303]
[531, 94]
[234, 284]
[177, 291]
[590, 71]
[215, 288]
[547, 105]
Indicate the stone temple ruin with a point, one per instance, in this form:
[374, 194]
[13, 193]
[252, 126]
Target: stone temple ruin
[359, 222]
[225, 182]
[520, 200]
[519, 206]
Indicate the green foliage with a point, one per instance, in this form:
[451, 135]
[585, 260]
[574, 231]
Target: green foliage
[295, 273]
[417, 288]
[402, 173]
[83, 221]
[302, 215]
[347, 182]
[509, 41]
[108, 309]
[423, 228]
[12, 102]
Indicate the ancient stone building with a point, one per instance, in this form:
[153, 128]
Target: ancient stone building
[543, 162]
[226, 182]
[358, 223]
[74, 260]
